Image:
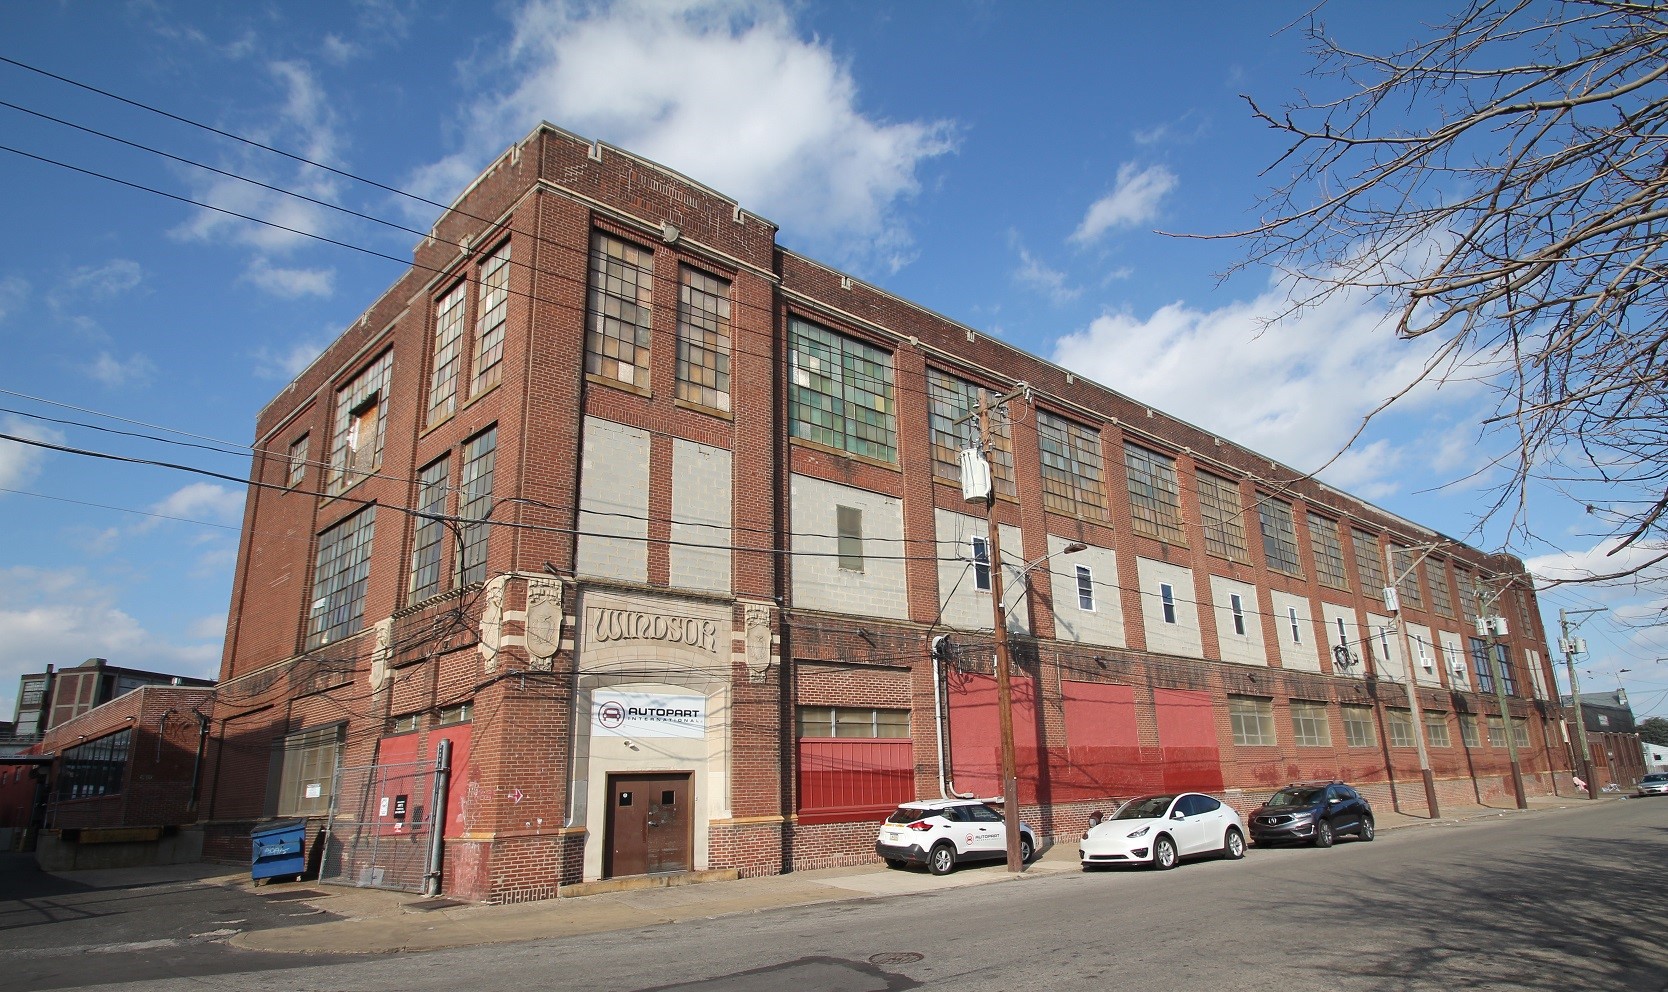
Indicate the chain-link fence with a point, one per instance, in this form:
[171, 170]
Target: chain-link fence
[379, 827]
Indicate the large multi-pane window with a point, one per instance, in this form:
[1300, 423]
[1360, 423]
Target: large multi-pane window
[1400, 724]
[1071, 466]
[1329, 552]
[475, 503]
[1252, 719]
[1468, 729]
[853, 721]
[427, 575]
[1503, 663]
[1358, 726]
[1154, 500]
[1442, 589]
[950, 399]
[1467, 595]
[703, 339]
[1222, 516]
[1496, 732]
[1410, 565]
[492, 309]
[1436, 730]
[1309, 725]
[361, 421]
[306, 770]
[448, 353]
[840, 392]
[96, 768]
[298, 462]
[339, 579]
[1279, 539]
[1479, 664]
[617, 321]
[1369, 563]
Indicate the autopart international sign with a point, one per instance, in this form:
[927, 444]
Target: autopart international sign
[645, 714]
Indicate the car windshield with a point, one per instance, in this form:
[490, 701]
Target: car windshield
[1657, 777]
[908, 814]
[1296, 797]
[1144, 808]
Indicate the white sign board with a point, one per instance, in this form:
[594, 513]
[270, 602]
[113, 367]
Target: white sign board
[646, 714]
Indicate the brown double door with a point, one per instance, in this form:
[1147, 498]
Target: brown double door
[649, 824]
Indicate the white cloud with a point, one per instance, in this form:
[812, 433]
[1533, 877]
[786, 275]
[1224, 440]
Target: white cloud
[1606, 557]
[95, 283]
[62, 616]
[1134, 200]
[287, 363]
[21, 463]
[1187, 128]
[1294, 391]
[115, 372]
[338, 51]
[13, 291]
[207, 628]
[290, 283]
[1050, 282]
[727, 92]
[204, 501]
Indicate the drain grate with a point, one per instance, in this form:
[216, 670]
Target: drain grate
[895, 957]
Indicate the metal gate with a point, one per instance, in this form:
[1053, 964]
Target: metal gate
[380, 829]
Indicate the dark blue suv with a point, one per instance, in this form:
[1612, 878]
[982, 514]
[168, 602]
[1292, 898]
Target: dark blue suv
[1312, 813]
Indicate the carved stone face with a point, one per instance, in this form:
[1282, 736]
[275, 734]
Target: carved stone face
[544, 619]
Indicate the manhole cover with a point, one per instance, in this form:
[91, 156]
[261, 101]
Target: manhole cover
[895, 957]
[290, 894]
[430, 904]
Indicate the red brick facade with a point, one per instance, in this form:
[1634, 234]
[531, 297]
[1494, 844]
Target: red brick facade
[529, 648]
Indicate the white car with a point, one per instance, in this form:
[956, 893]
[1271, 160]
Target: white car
[1654, 784]
[941, 833]
[1160, 830]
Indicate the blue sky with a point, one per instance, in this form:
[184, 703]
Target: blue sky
[1004, 164]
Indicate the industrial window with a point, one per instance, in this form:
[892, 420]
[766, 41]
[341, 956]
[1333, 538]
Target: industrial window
[361, 421]
[1480, 665]
[848, 522]
[1522, 599]
[1442, 589]
[1154, 501]
[406, 724]
[427, 577]
[981, 563]
[492, 309]
[949, 399]
[1253, 721]
[461, 713]
[448, 353]
[298, 461]
[1358, 726]
[1369, 563]
[1436, 730]
[1409, 567]
[1496, 732]
[617, 321]
[853, 721]
[1085, 588]
[703, 339]
[1520, 733]
[96, 768]
[1237, 604]
[1222, 516]
[1503, 664]
[475, 504]
[1400, 723]
[1071, 466]
[1167, 597]
[1279, 539]
[1297, 629]
[1329, 553]
[339, 579]
[306, 766]
[840, 392]
[1468, 729]
[1309, 725]
[1467, 595]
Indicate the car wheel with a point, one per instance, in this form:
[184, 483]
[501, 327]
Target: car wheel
[1323, 834]
[942, 860]
[1233, 845]
[1164, 853]
[1026, 849]
[1367, 832]
[894, 862]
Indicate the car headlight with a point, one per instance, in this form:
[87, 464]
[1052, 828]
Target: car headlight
[1140, 833]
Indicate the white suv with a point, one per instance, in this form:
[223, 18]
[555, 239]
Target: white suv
[941, 833]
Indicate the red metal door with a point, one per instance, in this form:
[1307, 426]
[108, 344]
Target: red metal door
[649, 824]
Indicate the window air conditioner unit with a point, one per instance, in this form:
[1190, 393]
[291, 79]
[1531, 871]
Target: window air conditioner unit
[1458, 671]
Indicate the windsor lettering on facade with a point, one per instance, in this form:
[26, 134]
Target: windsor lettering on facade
[631, 625]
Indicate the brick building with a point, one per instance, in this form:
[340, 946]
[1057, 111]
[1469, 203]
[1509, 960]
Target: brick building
[656, 520]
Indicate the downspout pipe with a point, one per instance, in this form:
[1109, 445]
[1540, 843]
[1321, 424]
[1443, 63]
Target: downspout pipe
[197, 763]
[940, 713]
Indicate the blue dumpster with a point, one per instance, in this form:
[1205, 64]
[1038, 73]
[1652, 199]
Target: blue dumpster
[280, 848]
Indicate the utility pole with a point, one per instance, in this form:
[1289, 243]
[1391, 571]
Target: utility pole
[1493, 628]
[1392, 601]
[1568, 644]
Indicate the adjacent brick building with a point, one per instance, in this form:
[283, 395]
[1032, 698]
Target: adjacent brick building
[656, 521]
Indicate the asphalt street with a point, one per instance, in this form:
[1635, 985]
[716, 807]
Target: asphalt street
[1556, 900]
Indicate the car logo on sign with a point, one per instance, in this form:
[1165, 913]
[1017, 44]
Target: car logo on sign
[611, 714]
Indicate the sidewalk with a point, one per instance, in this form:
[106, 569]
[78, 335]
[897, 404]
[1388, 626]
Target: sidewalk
[376, 921]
